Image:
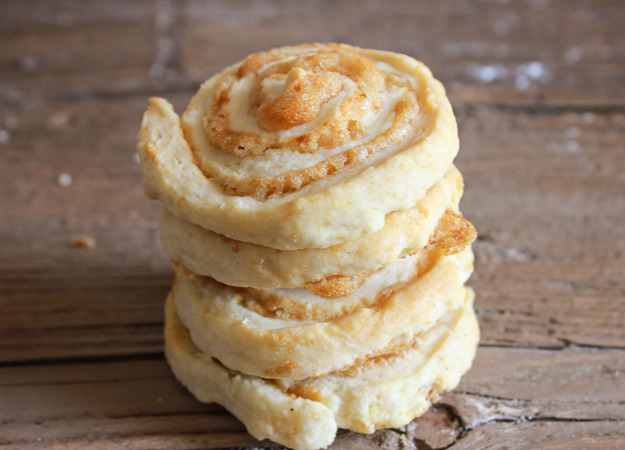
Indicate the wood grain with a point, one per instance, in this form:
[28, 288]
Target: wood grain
[481, 50]
[462, 42]
[537, 89]
[137, 402]
[542, 279]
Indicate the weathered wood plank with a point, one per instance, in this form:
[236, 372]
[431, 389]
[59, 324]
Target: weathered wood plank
[111, 316]
[526, 385]
[557, 52]
[16, 18]
[51, 51]
[547, 435]
[516, 53]
[546, 194]
[58, 301]
[93, 143]
[139, 403]
[550, 262]
[134, 403]
[537, 87]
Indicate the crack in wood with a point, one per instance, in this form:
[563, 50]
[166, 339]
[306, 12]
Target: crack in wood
[78, 360]
[527, 401]
[99, 326]
[523, 419]
[508, 312]
[567, 344]
[121, 326]
[472, 109]
[515, 345]
[218, 411]
[81, 382]
[491, 397]
[438, 426]
[591, 347]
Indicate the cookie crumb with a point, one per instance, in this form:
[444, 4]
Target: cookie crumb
[65, 180]
[82, 242]
[574, 55]
[5, 137]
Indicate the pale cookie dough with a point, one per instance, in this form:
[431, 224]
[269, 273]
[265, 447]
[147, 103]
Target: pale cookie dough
[386, 391]
[291, 333]
[244, 264]
[364, 133]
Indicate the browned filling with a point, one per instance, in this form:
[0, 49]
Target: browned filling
[311, 80]
[302, 389]
[336, 285]
[394, 348]
[452, 235]
[269, 304]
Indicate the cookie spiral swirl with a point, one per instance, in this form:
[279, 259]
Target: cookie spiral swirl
[284, 148]
[294, 334]
[313, 108]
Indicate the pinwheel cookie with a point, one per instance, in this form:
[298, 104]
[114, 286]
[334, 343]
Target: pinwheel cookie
[293, 333]
[310, 206]
[384, 391]
[301, 147]
[331, 271]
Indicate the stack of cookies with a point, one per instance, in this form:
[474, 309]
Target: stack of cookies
[309, 204]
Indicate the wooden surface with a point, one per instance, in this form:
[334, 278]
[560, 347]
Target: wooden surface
[538, 88]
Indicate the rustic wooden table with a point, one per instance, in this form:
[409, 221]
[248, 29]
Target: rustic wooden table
[538, 89]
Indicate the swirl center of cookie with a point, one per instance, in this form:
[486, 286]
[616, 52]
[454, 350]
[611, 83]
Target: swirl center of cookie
[303, 94]
[301, 104]
[284, 120]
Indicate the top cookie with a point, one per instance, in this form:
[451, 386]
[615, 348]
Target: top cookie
[301, 147]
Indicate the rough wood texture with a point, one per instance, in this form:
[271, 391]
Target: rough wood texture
[538, 91]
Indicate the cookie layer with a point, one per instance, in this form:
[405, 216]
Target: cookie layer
[329, 179]
[244, 264]
[386, 391]
[291, 333]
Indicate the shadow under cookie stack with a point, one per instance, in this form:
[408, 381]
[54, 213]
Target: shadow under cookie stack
[309, 204]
